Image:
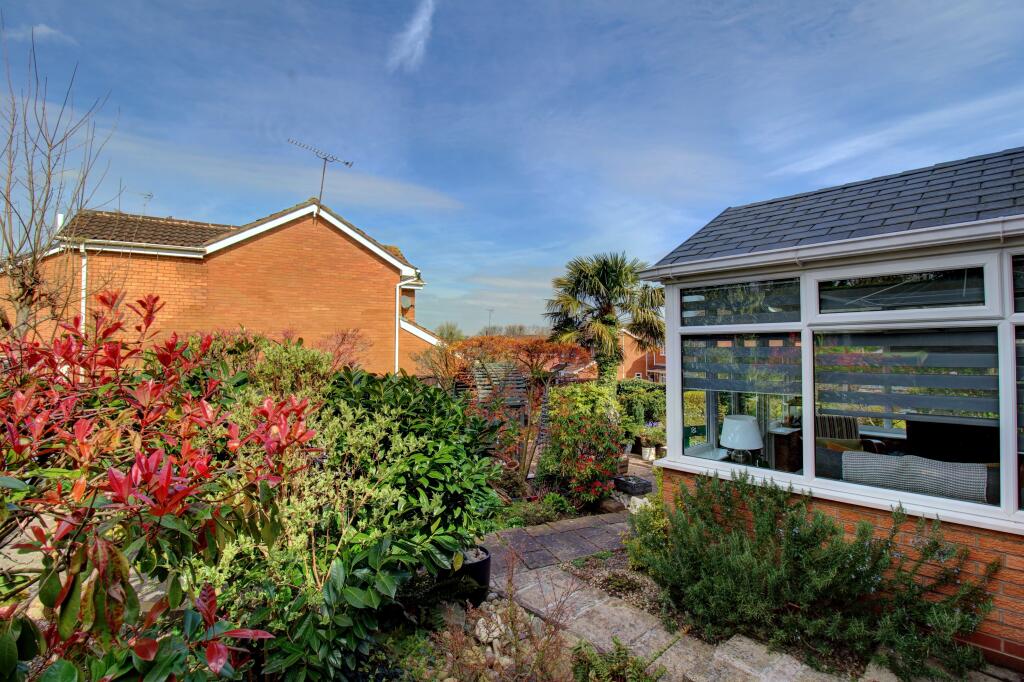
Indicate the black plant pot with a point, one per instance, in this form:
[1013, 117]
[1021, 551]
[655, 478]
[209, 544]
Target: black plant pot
[632, 485]
[479, 572]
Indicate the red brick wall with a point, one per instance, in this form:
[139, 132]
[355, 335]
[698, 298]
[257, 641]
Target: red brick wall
[305, 277]
[180, 283]
[308, 277]
[409, 346]
[1001, 635]
[634, 360]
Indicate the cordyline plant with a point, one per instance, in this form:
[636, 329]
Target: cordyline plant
[117, 464]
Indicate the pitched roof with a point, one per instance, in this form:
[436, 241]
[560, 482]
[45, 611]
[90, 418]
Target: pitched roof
[129, 228]
[88, 225]
[976, 188]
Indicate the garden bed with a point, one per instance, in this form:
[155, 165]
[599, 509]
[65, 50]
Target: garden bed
[612, 573]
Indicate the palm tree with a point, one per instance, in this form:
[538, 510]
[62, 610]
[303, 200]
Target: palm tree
[596, 299]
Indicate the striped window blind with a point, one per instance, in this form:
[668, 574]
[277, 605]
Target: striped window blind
[742, 363]
[949, 375]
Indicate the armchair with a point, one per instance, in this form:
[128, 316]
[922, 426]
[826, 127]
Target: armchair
[842, 429]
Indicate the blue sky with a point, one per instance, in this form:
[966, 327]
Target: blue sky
[493, 141]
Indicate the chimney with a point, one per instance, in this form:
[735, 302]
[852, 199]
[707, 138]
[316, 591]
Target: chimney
[60, 220]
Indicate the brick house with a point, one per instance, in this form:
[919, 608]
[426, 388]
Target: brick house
[638, 363]
[870, 337]
[304, 271]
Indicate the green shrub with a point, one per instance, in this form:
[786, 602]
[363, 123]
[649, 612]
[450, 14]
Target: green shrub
[642, 401]
[402, 486]
[551, 507]
[558, 505]
[589, 399]
[438, 453]
[618, 665]
[584, 443]
[744, 558]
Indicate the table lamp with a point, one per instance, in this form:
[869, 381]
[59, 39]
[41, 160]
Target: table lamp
[740, 433]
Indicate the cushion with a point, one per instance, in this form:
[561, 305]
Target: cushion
[839, 444]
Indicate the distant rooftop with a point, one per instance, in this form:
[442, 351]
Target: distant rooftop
[976, 188]
[113, 226]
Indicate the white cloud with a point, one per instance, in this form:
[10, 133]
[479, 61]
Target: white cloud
[148, 164]
[41, 32]
[411, 44]
[920, 126]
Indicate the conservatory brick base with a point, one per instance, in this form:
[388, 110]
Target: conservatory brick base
[1001, 635]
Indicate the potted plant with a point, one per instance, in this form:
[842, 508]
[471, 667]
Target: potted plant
[652, 436]
[476, 566]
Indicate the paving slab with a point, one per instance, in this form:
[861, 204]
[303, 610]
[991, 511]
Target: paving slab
[579, 522]
[539, 559]
[568, 546]
[612, 619]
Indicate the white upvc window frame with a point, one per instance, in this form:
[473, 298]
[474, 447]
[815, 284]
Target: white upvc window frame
[989, 261]
[997, 313]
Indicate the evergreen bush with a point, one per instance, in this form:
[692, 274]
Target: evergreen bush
[739, 557]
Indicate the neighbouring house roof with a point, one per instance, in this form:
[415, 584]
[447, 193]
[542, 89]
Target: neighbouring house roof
[128, 228]
[111, 226]
[976, 188]
[420, 331]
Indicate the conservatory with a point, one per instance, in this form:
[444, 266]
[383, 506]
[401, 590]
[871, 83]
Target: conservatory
[861, 343]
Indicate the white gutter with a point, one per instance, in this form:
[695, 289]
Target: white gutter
[85, 277]
[398, 318]
[943, 235]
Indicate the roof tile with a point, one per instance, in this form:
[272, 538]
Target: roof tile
[970, 189]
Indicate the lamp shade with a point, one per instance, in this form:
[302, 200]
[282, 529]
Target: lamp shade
[740, 432]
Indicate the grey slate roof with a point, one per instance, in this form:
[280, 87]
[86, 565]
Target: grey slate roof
[976, 188]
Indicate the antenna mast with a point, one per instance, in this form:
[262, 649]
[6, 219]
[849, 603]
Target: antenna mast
[323, 156]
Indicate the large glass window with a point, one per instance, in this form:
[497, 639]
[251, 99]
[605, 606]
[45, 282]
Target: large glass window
[741, 399]
[913, 410]
[1020, 414]
[939, 289]
[746, 303]
[1018, 284]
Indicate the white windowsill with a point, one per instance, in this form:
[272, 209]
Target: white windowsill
[946, 510]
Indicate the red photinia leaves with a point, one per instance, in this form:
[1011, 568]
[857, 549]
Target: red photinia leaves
[216, 656]
[246, 633]
[206, 604]
[146, 648]
[104, 428]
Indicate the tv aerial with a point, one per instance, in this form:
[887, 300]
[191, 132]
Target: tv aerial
[325, 157]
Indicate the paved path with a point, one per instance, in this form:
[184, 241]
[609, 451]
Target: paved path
[553, 543]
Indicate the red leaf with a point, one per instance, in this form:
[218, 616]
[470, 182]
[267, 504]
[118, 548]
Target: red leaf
[245, 633]
[146, 648]
[154, 613]
[206, 604]
[216, 656]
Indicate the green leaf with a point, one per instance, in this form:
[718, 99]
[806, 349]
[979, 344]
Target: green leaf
[174, 523]
[12, 483]
[50, 589]
[174, 594]
[8, 655]
[338, 574]
[68, 618]
[30, 640]
[355, 597]
[60, 671]
[386, 584]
